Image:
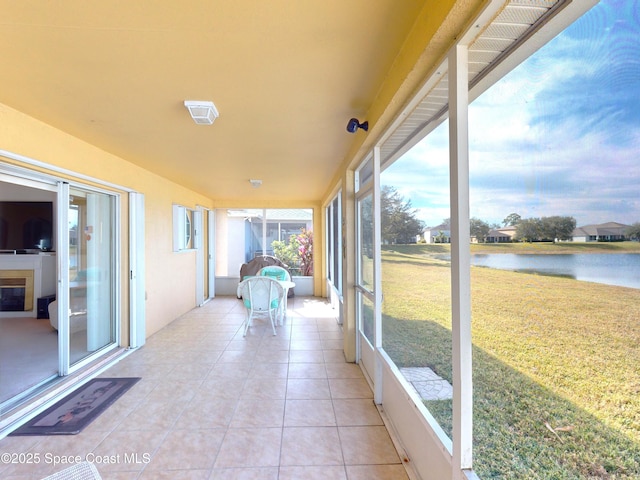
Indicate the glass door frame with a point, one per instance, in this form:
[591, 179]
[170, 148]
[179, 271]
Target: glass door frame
[367, 184]
[22, 177]
[65, 366]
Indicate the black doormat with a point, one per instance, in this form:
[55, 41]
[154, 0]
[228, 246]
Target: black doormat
[78, 409]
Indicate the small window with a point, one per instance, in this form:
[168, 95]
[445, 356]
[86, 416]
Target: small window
[183, 228]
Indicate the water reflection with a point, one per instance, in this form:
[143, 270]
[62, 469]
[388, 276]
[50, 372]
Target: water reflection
[621, 269]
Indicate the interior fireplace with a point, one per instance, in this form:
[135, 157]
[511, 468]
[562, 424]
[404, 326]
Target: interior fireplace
[16, 290]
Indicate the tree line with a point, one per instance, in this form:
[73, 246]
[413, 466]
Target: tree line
[401, 225]
[536, 229]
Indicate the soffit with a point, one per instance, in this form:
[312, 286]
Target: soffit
[494, 48]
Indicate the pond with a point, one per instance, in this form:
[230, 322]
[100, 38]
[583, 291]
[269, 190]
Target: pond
[622, 269]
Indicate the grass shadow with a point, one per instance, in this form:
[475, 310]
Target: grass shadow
[511, 413]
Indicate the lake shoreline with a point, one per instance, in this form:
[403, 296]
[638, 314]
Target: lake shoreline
[555, 248]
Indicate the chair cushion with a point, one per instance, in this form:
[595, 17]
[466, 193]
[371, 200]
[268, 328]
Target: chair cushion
[274, 303]
[277, 274]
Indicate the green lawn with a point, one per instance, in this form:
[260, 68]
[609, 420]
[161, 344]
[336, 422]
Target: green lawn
[549, 352]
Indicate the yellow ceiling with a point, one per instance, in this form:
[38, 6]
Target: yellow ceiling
[285, 75]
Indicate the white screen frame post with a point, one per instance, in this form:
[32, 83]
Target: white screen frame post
[460, 260]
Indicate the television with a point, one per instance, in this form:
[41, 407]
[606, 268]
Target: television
[26, 227]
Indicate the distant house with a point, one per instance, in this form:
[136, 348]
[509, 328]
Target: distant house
[501, 235]
[438, 234]
[604, 232]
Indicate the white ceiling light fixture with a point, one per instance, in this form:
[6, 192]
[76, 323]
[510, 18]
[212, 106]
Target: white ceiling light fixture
[255, 183]
[202, 112]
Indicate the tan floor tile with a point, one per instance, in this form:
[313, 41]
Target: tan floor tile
[187, 449]
[18, 444]
[306, 345]
[119, 475]
[173, 475]
[307, 446]
[177, 390]
[356, 412]
[350, 388]
[213, 344]
[53, 453]
[208, 355]
[230, 370]
[252, 412]
[272, 356]
[222, 387]
[343, 370]
[265, 388]
[256, 473]
[309, 413]
[244, 344]
[302, 326]
[143, 368]
[205, 411]
[307, 370]
[329, 324]
[332, 344]
[131, 448]
[308, 389]
[250, 447]
[270, 370]
[306, 356]
[300, 319]
[279, 342]
[153, 415]
[379, 472]
[180, 356]
[213, 404]
[333, 356]
[314, 473]
[311, 336]
[237, 356]
[367, 446]
[332, 334]
[219, 337]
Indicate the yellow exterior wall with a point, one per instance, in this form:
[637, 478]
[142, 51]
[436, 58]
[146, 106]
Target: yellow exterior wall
[170, 277]
[433, 34]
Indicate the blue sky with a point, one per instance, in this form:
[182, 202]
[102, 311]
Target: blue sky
[559, 135]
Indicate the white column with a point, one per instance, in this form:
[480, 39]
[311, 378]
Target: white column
[62, 294]
[460, 260]
[377, 276]
[198, 244]
[137, 303]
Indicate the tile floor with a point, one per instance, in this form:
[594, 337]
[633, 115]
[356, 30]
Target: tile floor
[214, 405]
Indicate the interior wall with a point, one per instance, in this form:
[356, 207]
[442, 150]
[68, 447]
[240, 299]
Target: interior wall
[170, 277]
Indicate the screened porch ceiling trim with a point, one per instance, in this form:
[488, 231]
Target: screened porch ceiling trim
[498, 48]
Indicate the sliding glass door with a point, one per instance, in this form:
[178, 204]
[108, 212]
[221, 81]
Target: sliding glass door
[91, 272]
[59, 278]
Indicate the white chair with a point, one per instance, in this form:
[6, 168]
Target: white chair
[284, 277]
[262, 295]
[77, 320]
[79, 471]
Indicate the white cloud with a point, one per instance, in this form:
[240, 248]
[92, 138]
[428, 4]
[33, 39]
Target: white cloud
[557, 136]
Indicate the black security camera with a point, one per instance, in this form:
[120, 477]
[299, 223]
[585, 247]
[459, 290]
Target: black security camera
[354, 124]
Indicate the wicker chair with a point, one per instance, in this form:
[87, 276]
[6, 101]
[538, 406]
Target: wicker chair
[280, 274]
[78, 471]
[262, 295]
